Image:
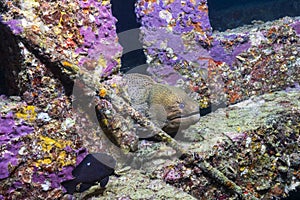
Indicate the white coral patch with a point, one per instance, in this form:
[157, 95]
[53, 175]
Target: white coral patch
[166, 15]
[68, 123]
[257, 38]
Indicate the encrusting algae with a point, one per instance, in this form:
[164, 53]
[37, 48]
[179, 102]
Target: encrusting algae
[27, 113]
[48, 144]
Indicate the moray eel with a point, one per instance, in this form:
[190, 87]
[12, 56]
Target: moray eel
[168, 107]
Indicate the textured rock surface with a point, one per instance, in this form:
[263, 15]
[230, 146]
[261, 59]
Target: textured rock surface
[70, 33]
[256, 139]
[225, 124]
[135, 185]
[249, 60]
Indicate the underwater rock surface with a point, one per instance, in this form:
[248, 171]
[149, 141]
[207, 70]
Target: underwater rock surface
[67, 34]
[136, 185]
[68, 47]
[254, 140]
[222, 67]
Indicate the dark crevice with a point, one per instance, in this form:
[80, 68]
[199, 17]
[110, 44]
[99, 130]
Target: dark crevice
[128, 32]
[132, 60]
[10, 62]
[54, 67]
[124, 12]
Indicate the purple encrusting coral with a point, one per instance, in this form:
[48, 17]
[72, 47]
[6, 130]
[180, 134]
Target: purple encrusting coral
[170, 49]
[15, 26]
[170, 75]
[81, 153]
[172, 42]
[186, 15]
[45, 179]
[172, 32]
[10, 132]
[100, 39]
[179, 32]
[296, 26]
[218, 52]
[53, 179]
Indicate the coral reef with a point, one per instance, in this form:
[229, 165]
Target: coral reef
[11, 139]
[258, 140]
[74, 33]
[135, 185]
[246, 61]
[38, 141]
[61, 61]
[255, 140]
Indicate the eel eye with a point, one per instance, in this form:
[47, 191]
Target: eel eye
[181, 105]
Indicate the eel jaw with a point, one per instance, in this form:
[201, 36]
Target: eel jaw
[181, 122]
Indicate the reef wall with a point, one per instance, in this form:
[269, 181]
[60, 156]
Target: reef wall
[225, 67]
[56, 48]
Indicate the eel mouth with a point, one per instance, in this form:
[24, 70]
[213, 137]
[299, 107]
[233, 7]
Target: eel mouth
[183, 116]
[182, 121]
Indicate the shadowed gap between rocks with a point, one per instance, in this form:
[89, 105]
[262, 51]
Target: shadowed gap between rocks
[55, 67]
[125, 14]
[10, 62]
